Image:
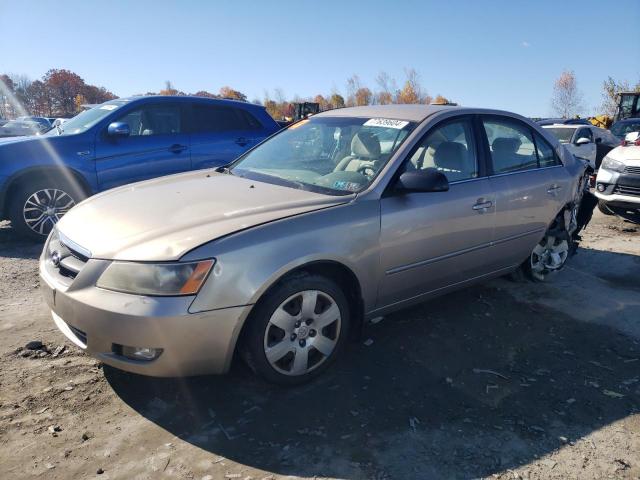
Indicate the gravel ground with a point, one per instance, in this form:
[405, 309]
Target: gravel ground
[505, 380]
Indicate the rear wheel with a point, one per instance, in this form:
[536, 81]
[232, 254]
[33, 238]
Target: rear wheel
[36, 206]
[297, 331]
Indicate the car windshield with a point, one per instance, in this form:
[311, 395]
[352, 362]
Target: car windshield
[332, 155]
[620, 129]
[87, 119]
[562, 134]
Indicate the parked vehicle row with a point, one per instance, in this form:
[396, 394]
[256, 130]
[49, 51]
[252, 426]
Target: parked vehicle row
[339, 219]
[116, 143]
[585, 141]
[618, 181]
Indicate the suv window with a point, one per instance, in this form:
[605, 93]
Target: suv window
[153, 120]
[547, 156]
[511, 145]
[214, 118]
[450, 148]
[584, 132]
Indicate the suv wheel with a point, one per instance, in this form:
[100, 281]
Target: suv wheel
[38, 205]
[298, 330]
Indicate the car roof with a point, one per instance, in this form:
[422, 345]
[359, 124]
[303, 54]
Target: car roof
[185, 98]
[409, 112]
[629, 120]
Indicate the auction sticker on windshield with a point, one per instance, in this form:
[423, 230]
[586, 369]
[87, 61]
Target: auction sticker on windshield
[385, 122]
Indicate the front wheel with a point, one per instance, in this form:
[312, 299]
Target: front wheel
[297, 331]
[602, 206]
[36, 206]
[547, 257]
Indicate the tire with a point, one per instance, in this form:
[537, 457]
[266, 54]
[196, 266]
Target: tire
[602, 206]
[547, 257]
[293, 351]
[37, 205]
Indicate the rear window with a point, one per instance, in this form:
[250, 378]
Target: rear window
[562, 134]
[214, 118]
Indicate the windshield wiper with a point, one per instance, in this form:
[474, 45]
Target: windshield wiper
[226, 170]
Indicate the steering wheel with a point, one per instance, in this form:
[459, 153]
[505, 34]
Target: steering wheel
[364, 168]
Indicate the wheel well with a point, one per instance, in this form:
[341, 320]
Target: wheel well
[44, 173]
[336, 272]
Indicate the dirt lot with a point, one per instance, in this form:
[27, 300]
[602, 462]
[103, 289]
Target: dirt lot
[508, 380]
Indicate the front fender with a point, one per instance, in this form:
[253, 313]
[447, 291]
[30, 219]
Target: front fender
[250, 262]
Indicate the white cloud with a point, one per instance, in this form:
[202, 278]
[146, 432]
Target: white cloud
[525, 44]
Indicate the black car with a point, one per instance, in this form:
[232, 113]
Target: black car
[622, 127]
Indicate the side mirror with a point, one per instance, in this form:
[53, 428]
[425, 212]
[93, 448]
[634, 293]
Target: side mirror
[118, 129]
[583, 141]
[428, 180]
[632, 138]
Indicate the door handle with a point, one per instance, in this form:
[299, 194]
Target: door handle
[177, 148]
[482, 206]
[242, 141]
[553, 189]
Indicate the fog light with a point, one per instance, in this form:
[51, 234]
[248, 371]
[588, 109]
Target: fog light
[601, 187]
[141, 353]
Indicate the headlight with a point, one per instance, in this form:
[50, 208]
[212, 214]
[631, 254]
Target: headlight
[614, 165]
[167, 279]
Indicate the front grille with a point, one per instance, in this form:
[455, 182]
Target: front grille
[65, 257]
[82, 336]
[632, 170]
[627, 190]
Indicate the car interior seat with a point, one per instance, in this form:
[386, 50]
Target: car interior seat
[451, 158]
[365, 152]
[504, 153]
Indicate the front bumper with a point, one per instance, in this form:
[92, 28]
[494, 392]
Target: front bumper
[618, 189]
[99, 321]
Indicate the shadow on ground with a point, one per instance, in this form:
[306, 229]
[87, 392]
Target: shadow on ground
[14, 246]
[468, 385]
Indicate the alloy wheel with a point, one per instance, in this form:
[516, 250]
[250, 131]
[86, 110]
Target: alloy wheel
[302, 332]
[549, 255]
[44, 208]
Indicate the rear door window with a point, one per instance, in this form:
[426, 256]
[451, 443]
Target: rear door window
[214, 118]
[511, 145]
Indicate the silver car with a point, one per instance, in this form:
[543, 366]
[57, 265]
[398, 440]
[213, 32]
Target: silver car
[331, 223]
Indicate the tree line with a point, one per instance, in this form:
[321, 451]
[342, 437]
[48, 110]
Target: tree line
[59, 93]
[567, 100]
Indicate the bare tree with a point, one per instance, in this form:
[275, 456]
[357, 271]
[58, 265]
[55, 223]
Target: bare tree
[387, 87]
[567, 98]
[353, 85]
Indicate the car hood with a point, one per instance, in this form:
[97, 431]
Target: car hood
[164, 218]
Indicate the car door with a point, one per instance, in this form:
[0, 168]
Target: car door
[586, 151]
[155, 146]
[433, 240]
[526, 191]
[219, 134]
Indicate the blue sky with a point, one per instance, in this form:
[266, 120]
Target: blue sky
[502, 54]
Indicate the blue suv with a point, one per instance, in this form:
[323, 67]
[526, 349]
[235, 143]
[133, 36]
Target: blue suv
[119, 142]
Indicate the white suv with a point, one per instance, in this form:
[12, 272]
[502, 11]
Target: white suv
[618, 181]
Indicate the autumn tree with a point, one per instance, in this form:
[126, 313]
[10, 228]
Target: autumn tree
[40, 101]
[228, 92]
[336, 101]
[322, 102]
[440, 100]
[363, 96]
[204, 93]
[63, 86]
[353, 85]
[168, 89]
[567, 98]
[412, 91]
